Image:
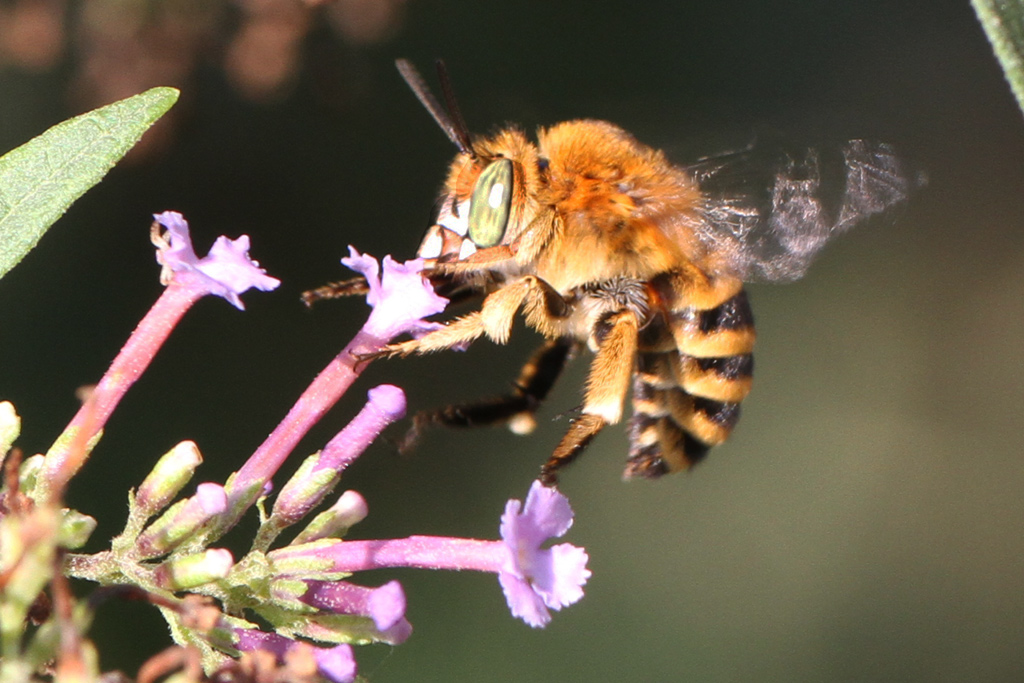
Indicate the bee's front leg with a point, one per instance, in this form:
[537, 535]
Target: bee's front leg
[494, 319]
[607, 386]
[356, 286]
[459, 333]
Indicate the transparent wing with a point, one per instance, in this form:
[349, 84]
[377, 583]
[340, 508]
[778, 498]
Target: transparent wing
[767, 216]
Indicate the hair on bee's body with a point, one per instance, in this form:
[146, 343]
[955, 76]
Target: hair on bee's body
[601, 242]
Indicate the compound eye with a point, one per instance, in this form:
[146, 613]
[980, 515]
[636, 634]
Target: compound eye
[491, 203]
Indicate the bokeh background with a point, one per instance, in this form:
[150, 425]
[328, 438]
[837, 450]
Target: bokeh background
[866, 520]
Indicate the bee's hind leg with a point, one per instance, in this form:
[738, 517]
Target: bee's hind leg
[607, 386]
[516, 409]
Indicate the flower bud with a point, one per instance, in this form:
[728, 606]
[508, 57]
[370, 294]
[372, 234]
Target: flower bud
[319, 474]
[181, 521]
[349, 510]
[10, 426]
[29, 472]
[75, 529]
[187, 572]
[170, 474]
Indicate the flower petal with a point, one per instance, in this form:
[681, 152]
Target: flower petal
[226, 271]
[523, 601]
[546, 515]
[547, 510]
[510, 527]
[367, 266]
[401, 298]
[178, 243]
[560, 578]
[229, 265]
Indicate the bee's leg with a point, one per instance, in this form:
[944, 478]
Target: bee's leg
[481, 259]
[494, 318]
[606, 391]
[357, 286]
[455, 292]
[536, 379]
[517, 409]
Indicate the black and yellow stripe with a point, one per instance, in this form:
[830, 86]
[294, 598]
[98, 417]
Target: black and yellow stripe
[686, 395]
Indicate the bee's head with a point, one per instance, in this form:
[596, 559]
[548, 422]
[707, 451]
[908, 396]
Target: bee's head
[489, 194]
[487, 200]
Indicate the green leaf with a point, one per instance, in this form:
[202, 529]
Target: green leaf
[43, 177]
[1003, 21]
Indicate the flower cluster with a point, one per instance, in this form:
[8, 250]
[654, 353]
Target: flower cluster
[303, 589]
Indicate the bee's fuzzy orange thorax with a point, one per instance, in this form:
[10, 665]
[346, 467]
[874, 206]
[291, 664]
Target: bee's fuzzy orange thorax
[617, 197]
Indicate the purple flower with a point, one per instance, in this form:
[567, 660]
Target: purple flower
[337, 663]
[533, 578]
[385, 404]
[385, 605]
[226, 271]
[400, 298]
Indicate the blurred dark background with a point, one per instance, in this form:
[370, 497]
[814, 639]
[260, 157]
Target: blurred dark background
[865, 520]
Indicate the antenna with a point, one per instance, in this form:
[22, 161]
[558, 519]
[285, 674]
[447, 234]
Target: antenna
[461, 129]
[451, 121]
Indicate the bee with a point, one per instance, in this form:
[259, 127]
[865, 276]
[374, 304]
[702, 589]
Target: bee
[599, 241]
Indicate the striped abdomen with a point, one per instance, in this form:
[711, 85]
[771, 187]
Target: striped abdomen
[693, 369]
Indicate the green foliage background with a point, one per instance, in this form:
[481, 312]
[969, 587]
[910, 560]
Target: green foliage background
[864, 522]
